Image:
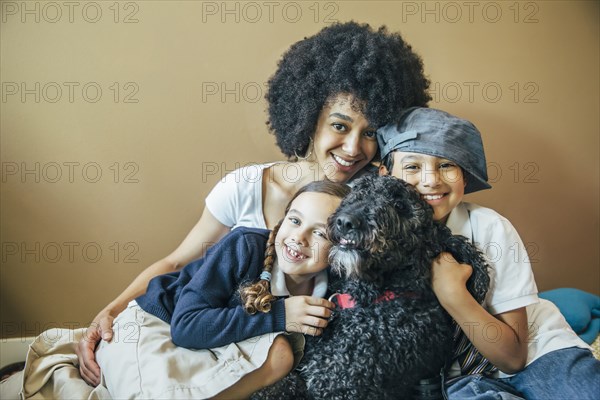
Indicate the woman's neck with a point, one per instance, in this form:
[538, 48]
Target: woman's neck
[307, 171]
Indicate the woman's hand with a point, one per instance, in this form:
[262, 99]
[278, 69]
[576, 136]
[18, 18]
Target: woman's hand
[307, 315]
[100, 328]
[205, 233]
[449, 278]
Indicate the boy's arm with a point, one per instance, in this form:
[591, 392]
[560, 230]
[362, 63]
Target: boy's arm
[502, 339]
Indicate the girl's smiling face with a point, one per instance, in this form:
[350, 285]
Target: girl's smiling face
[344, 142]
[439, 180]
[301, 243]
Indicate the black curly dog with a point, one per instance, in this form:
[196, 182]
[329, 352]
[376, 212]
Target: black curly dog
[394, 331]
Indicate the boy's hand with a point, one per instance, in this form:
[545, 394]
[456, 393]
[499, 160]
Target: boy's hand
[449, 278]
[307, 315]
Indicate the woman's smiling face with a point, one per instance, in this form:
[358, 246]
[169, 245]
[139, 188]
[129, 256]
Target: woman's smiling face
[343, 142]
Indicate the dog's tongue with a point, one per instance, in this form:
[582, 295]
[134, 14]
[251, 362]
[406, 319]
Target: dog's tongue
[344, 241]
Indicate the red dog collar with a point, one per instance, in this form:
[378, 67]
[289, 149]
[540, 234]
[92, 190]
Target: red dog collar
[344, 300]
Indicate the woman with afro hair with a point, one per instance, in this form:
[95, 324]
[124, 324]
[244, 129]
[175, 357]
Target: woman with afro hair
[328, 96]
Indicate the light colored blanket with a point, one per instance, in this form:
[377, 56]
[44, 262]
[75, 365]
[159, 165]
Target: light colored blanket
[51, 370]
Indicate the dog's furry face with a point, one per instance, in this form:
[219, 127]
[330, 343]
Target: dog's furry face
[382, 223]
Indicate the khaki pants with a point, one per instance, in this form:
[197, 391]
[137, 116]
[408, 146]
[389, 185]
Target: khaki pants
[51, 370]
[142, 362]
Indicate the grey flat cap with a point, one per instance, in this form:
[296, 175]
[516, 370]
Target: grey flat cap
[437, 133]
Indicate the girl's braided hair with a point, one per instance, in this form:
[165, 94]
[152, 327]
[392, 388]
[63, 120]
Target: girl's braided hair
[257, 296]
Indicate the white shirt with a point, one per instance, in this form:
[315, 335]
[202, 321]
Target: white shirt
[512, 284]
[236, 200]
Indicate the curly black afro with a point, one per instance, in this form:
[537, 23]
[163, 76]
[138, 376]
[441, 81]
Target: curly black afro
[377, 68]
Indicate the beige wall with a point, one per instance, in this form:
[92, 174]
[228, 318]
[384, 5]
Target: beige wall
[163, 130]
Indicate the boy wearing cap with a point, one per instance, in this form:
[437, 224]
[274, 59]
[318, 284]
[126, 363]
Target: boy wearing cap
[443, 157]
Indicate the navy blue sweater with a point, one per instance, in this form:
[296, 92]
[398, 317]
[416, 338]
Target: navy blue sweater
[201, 301]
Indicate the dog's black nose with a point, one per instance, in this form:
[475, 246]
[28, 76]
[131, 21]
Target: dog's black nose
[346, 223]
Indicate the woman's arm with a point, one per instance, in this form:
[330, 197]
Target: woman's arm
[208, 312]
[502, 338]
[204, 234]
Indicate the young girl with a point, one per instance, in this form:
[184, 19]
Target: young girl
[443, 157]
[212, 305]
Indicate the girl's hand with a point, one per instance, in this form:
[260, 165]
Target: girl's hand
[307, 315]
[100, 328]
[449, 278]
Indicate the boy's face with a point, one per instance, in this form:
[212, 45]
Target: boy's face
[440, 181]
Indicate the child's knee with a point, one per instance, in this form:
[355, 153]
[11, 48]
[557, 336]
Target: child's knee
[279, 361]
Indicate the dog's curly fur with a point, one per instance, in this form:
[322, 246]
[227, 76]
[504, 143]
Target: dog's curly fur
[384, 240]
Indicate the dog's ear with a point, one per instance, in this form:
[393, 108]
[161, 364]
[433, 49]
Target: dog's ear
[414, 217]
[364, 183]
[409, 205]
